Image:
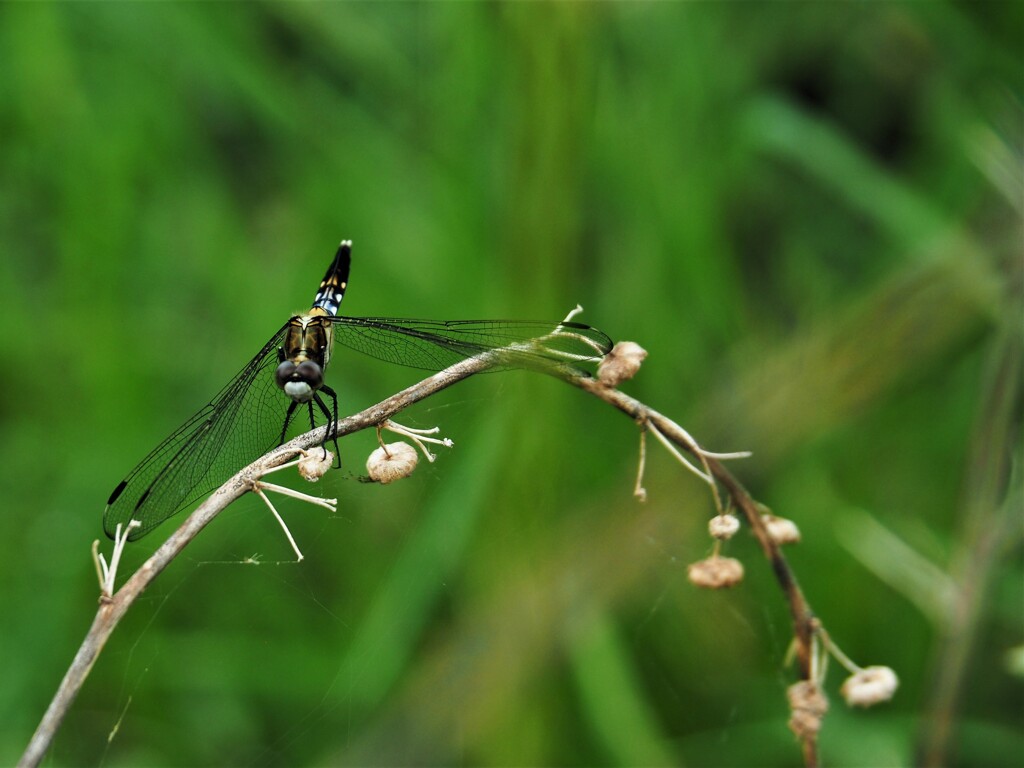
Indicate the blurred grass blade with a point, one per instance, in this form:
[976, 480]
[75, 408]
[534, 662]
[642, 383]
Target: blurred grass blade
[612, 697]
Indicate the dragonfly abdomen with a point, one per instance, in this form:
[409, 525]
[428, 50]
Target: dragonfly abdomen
[332, 287]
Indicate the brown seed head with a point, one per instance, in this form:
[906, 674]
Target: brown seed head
[315, 464]
[781, 530]
[621, 364]
[808, 705]
[715, 572]
[391, 462]
[723, 527]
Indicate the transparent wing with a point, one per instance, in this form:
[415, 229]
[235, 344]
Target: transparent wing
[241, 423]
[436, 344]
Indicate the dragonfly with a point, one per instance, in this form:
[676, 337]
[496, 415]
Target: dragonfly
[253, 411]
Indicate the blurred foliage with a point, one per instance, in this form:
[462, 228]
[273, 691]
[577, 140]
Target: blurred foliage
[809, 214]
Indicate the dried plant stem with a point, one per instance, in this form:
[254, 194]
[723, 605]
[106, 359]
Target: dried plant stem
[804, 622]
[113, 608]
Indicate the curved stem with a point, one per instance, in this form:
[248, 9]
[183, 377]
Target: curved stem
[112, 609]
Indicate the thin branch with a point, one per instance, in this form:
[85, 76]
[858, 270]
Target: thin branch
[804, 622]
[114, 607]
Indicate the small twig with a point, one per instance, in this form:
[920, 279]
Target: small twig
[259, 487]
[258, 490]
[418, 436]
[706, 477]
[638, 490]
[107, 574]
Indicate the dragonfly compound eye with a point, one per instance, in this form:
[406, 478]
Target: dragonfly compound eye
[284, 372]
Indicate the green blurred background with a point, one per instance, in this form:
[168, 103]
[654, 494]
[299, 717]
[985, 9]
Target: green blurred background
[809, 214]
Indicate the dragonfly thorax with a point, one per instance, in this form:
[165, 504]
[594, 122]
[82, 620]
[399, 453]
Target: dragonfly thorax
[303, 357]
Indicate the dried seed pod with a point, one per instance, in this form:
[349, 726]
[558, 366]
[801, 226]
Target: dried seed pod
[870, 686]
[621, 364]
[715, 572]
[781, 530]
[315, 464]
[391, 462]
[723, 527]
[808, 705]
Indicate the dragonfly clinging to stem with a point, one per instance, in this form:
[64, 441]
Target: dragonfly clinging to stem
[253, 412]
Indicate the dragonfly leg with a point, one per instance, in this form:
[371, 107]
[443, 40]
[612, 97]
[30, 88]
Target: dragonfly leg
[332, 420]
[287, 420]
[312, 421]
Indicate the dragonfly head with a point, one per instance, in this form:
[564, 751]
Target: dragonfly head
[300, 382]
